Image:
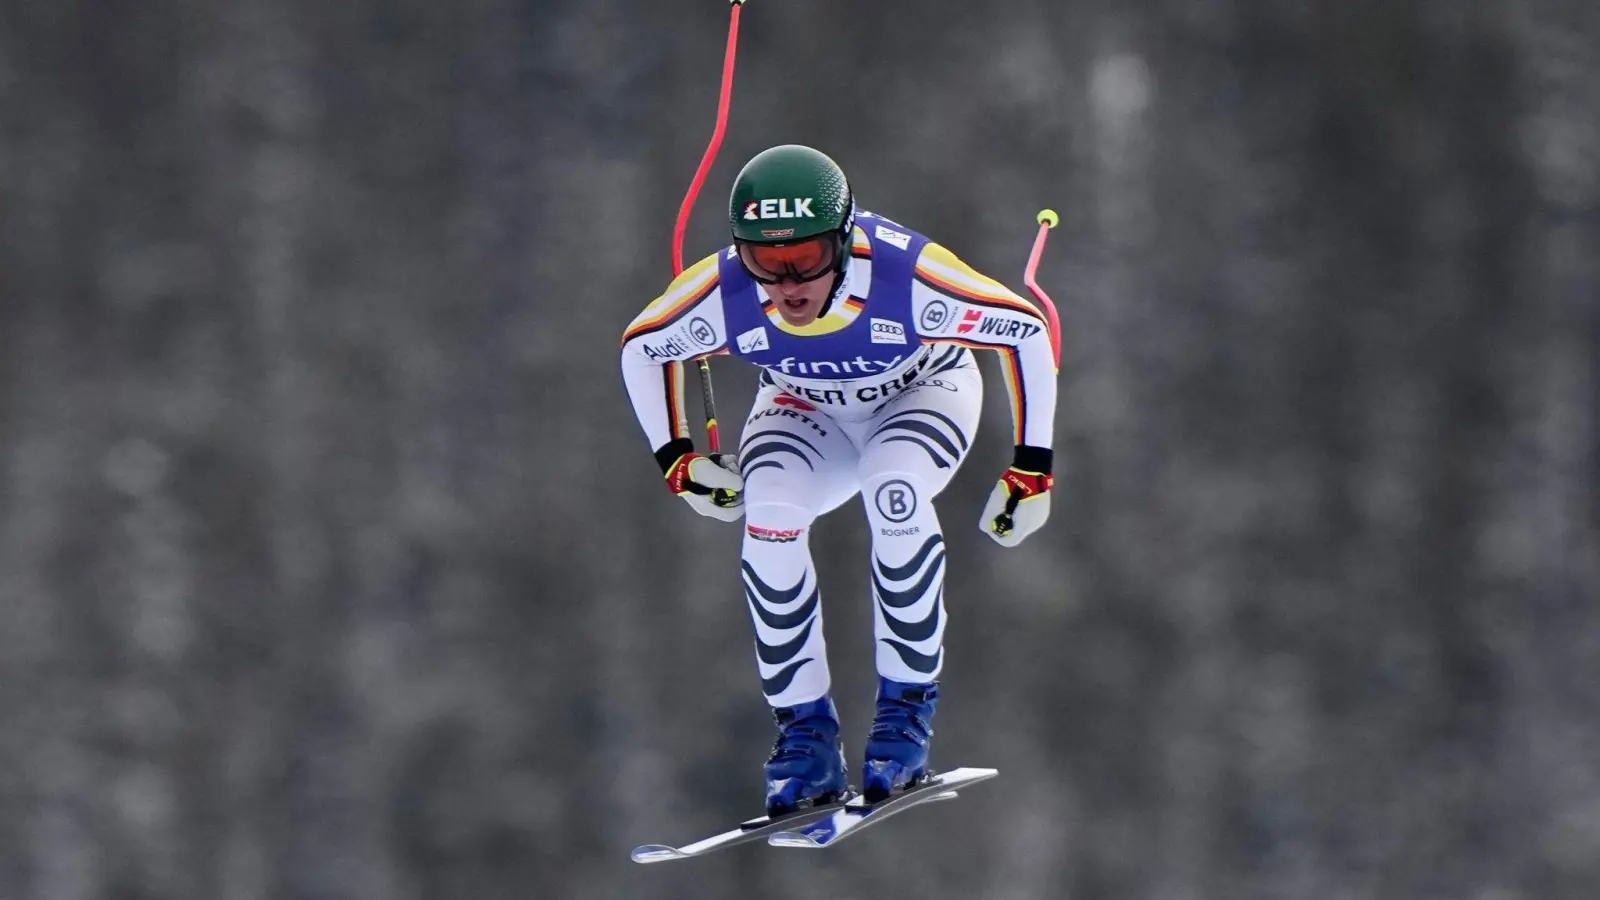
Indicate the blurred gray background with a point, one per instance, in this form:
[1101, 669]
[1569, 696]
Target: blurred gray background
[333, 563]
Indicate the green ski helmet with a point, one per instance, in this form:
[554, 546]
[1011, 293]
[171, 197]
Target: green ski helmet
[792, 214]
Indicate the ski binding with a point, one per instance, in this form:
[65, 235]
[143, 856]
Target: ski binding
[855, 815]
[751, 830]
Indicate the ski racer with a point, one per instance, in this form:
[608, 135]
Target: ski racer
[862, 330]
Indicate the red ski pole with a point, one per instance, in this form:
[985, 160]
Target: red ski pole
[704, 364]
[1047, 220]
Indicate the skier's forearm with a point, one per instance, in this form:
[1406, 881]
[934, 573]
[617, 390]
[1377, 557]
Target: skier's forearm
[1030, 372]
[656, 392]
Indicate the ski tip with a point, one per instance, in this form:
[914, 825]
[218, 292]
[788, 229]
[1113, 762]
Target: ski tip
[966, 775]
[793, 839]
[654, 853]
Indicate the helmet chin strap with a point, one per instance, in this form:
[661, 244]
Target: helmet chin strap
[838, 288]
[845, 259]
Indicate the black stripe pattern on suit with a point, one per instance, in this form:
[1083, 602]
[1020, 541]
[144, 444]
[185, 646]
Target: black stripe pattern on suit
[921, 603]
[770, 449]
[936, 433]
[764, 600]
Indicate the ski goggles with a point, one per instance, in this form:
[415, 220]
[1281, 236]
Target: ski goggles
[799, 261]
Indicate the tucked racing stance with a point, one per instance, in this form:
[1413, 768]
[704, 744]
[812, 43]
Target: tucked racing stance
[862, 330]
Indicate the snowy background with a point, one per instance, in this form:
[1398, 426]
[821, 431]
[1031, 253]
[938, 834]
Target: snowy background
[333, 564]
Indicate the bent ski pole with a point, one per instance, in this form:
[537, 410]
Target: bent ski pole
[1047, 220]
[721, 497]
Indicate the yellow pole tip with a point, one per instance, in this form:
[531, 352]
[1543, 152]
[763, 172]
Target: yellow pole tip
[1048, 217]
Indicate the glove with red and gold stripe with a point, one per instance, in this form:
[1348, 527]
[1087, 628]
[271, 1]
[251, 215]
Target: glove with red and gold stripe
[1020, 503]
[711, 484]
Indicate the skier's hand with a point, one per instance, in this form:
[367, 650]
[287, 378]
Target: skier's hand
[1020, 502]
[711, 484]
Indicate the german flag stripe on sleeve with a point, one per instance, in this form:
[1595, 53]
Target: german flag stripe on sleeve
[941, 270]
[1011, 364]
[694, 285]
[672, 379]
[1011, 367]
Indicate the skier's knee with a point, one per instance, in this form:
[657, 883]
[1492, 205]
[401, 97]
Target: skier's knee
[778, 487]
[777, 515]
[895, 497]
[886, 462]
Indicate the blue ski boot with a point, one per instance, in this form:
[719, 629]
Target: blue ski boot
[897, 746]
[806, 767]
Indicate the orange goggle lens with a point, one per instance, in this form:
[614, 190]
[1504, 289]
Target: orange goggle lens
[806, 260]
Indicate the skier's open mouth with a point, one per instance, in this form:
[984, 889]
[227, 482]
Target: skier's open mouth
[797, 304]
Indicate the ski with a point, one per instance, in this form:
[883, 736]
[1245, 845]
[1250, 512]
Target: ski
[753, 829]
[855, 816]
